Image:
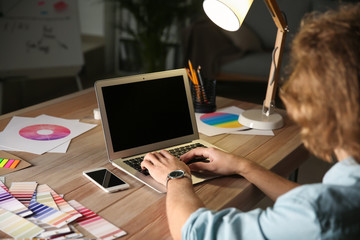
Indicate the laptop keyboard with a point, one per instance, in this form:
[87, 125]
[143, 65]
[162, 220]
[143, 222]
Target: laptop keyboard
[177, 152]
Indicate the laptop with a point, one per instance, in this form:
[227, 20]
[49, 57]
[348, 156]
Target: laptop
[146, 113]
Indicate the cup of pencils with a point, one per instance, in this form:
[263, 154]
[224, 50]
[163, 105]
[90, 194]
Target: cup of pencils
[202, 90]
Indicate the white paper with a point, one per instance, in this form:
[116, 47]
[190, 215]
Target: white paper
[255, 132]
[210, 130]
[11, 138]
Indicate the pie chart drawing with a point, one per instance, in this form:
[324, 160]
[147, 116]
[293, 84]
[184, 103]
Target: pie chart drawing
[221, 120]
[44, 132]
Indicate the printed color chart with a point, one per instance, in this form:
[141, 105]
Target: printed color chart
[23, 191]
[95, 224]
[44, 132]
[16, 226]
[222, 120]
[48, 215]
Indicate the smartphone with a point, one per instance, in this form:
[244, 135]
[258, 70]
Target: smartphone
[106, 180]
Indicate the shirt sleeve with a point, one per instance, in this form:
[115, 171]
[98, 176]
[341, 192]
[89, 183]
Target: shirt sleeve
[226, 224]
[292, 217]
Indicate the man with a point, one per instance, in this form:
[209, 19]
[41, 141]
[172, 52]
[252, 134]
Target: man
[323, 96]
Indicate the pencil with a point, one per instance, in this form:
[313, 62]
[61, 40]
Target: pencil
[202, 84]
[195, 82]
[193, 73]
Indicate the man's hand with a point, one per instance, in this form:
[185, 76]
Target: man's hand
[219, 162]
[160, 164]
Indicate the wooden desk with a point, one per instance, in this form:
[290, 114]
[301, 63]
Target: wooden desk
[140, 211]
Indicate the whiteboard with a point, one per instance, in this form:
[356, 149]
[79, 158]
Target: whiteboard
[40, 38]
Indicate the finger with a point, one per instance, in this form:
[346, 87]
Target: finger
[160, 158]
[166, 154]
[198, 166]
[154, 157]
[195, 153]
[150, 156]
[146, 164]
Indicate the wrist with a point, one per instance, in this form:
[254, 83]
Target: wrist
[244, 167]
[172, 179]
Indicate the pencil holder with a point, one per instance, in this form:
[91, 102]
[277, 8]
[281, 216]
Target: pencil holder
[204, 96]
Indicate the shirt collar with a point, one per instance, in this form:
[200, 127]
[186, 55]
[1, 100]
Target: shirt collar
[345, 172]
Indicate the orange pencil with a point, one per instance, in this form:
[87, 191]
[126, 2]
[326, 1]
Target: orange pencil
[195, 81]
[193, 73]
[189, 75]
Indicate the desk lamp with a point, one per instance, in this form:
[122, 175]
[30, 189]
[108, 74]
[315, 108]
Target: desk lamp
[229, 15]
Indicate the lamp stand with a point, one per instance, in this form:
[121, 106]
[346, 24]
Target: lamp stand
[266, 118]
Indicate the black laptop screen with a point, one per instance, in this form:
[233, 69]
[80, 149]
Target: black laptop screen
[147, 112]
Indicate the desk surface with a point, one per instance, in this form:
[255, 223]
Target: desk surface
[140, 211]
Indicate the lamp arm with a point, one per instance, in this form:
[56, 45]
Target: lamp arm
[276, 14]
[281, 24]
[274, 75]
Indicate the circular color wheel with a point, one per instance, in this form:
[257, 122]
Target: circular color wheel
[222, 120]
[44, 132]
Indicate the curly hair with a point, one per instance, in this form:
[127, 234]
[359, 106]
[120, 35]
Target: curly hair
[322, 93]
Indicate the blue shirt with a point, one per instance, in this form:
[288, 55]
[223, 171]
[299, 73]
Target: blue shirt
[327, 210]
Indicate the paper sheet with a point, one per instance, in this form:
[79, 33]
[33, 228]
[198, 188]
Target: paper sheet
[225, 120]
[41, 134]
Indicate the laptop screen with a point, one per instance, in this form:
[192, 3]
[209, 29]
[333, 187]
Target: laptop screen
[146, 112]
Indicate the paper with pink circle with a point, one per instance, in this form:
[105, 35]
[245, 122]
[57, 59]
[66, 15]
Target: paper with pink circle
[41, 134]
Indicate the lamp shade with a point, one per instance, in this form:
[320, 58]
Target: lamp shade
[227, 14]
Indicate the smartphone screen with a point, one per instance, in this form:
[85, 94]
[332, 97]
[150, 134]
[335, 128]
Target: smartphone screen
[105, 178]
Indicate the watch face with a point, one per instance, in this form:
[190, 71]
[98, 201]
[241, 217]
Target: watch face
[176, 174]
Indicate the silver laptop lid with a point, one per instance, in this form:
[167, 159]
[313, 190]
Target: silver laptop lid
[147, 112]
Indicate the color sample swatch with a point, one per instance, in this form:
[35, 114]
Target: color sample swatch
[49, 231]
[60, 202]
[95, 224]
[16, 226]
[8, 202]
[2, 185]
[44, 132]
[73, 234]
[221, 120]
[46, 199]
[47, 214]
[23, 191]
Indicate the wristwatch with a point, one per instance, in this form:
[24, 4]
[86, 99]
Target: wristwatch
[176, 175]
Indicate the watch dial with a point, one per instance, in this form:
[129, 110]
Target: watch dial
[176, 174]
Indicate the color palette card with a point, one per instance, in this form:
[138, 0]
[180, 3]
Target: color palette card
[22, 164]
[60, 202]
[16, 226]
[49, 231]
[95, 224]
[46, 199]
[3, 186]
[23, 191]
[8, 202]
[48, 215]
[73, 234]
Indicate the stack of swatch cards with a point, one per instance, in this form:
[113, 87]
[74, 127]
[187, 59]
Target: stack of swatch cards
[41, 134]
[29, 210]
